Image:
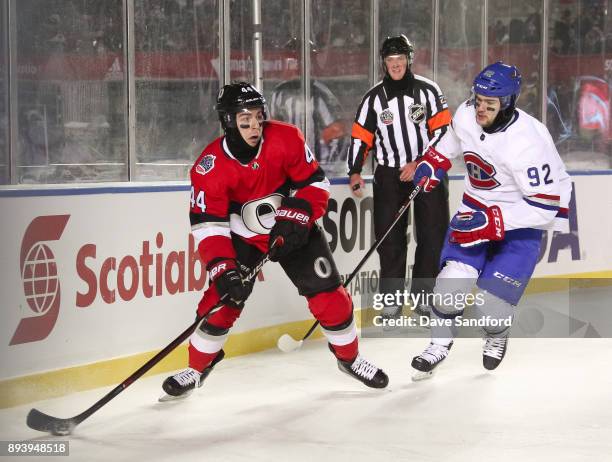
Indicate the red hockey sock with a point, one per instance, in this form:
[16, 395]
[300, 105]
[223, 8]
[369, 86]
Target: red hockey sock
[334, 310]
[209, 338]
[199, 360]
[331, 308]
[347, 352]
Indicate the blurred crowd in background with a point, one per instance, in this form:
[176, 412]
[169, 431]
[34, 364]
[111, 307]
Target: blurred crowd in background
[71, 93]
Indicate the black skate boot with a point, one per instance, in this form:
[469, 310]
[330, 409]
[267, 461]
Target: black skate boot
[427, 361]
[494, 351]
[365, 372]
[182, 384]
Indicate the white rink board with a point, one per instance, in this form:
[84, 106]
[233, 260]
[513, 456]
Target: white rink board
[120, 222]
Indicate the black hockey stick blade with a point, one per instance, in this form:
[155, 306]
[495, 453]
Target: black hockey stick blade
[45, 423]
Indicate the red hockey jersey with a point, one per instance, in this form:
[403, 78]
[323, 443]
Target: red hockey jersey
[230, 197]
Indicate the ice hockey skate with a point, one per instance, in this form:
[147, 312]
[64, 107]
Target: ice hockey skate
[494, 351]
[422, 310]
[390, 316]
[182, 384]
[427, 362]
[364, 371]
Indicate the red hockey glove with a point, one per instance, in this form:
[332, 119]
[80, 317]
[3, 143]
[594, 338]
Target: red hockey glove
[292, 224]
[473, 228]
[224, 273]
[432, 166]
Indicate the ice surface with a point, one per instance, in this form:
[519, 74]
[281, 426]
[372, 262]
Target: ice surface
[549, 400]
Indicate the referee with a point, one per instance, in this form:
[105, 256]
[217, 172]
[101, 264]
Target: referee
[327, 129]
[398, 118]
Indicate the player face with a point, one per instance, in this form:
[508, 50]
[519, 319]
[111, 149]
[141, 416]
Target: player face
[487, 108]
[396, 66]
[250, 125]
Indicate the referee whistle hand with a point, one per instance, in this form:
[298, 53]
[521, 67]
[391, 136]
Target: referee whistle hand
[407, 171]
[357, 184]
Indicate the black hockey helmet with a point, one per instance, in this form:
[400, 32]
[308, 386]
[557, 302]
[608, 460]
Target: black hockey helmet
[397, 45]
[235, 98]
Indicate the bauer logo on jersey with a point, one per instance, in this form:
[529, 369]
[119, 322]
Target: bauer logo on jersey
[416, 112]
[386, 117]
[481, 173]
[206, 164]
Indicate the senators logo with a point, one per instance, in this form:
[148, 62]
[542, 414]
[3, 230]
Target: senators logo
[481, 173]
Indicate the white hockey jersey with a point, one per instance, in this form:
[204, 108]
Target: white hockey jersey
[517, 169]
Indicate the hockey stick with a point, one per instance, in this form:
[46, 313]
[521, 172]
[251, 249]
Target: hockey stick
[45, 423]
[286, 343]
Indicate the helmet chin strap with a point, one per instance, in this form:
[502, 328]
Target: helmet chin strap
[504, 116]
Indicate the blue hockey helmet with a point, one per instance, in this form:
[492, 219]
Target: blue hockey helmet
[499, 80]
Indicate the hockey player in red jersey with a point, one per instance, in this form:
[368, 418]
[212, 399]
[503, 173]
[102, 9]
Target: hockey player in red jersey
[241, 201]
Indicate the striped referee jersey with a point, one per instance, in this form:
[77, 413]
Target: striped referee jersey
[399, 125]
[326, 133]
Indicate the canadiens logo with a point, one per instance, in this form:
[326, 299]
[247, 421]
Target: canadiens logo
[206, 164]
[416, 112]
[386, 117]
[481, 173]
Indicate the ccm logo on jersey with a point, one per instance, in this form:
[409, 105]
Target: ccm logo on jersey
[293, 215]
[481, 173]
[507, 279]
[206, 164]
[437, 156]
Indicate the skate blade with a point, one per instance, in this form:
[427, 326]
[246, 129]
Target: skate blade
[390, 328]
[419, 376]
[166, 397]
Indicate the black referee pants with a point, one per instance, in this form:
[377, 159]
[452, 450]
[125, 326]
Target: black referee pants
[431, 218]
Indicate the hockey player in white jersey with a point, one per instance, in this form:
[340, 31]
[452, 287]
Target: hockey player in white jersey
[515, 187]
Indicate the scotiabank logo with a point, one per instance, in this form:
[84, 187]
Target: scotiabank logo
[151, 273]
[41, 285]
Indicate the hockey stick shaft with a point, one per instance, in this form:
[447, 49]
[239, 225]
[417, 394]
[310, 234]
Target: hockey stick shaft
[43, 422]
[400, 212]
